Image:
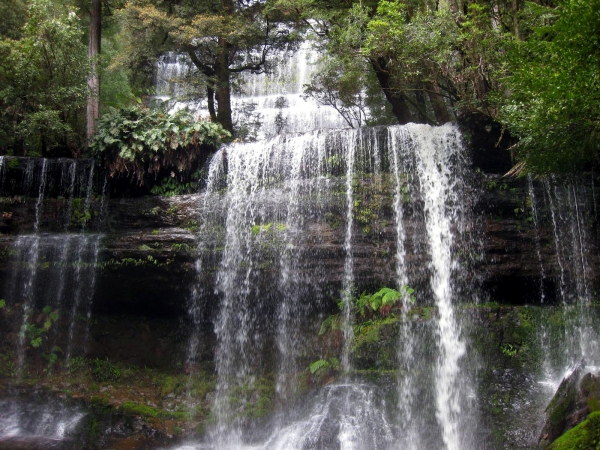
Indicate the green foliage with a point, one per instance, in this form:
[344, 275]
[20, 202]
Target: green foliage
[253, 398]
[322, 364]
[35, 333]
[13, 14]
[149, 411]
[77, 364]
[139, 143]
[183, 247]
[80, 214]
[373, 313]
[264, 228]
[339, 83]
[105, 370]
[8, 368]
[43, 83]
[124, 262]
[318, 365]
[2, 303]
[509, 350]
[331, 323]
[382, 300]
[585, 436]
[554, 89]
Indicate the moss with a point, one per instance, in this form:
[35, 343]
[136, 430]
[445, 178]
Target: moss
[253, 400]
[150, 411]
[370, 331]
[585, 436]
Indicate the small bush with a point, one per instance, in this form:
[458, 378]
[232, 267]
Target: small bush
[104, 370]
[154, 147]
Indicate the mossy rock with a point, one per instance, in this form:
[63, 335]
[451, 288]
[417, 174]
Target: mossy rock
[138, 409]
[560, 407]
[585, 436]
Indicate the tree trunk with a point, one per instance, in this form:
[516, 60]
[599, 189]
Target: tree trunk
[210, 100]
[93, 101]
[421, 104]
[437, 102]
[396, 99]
[223, 87]
[515, 14]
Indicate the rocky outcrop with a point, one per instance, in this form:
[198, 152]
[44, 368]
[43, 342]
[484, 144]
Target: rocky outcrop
[149, 246]
[577, 396]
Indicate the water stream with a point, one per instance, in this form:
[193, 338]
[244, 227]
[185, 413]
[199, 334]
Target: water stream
[52, 280]
[288, 224]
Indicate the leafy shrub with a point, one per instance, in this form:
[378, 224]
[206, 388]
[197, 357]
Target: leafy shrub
[137, 142]
[104, 370]
[383, 300]
[76, 364]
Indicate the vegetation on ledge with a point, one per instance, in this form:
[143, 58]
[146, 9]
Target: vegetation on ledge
[151, 147]
[585, 436]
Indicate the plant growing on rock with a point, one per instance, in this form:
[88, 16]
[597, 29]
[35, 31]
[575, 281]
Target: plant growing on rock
[152, 147]
[38, 335]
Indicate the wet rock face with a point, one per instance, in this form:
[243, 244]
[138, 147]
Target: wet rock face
[577, 397]
[149, 247]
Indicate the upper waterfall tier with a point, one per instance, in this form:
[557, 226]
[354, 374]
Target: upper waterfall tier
[264, 104]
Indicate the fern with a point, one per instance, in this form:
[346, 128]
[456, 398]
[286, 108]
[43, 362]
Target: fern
[137, 142]
[331, 323]
[318, 365]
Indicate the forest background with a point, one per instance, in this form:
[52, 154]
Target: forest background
[74, 71]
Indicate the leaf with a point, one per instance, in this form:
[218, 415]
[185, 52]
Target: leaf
[35, 343]
[2, 303]
[318, 365]
[47, 309]
[390, 297]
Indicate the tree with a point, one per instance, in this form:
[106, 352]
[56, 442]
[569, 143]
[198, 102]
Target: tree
[43, 83]
[553, 89]
[222, 39]
[94, 43]
[433, 60]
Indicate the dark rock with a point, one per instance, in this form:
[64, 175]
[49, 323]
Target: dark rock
[577, 396]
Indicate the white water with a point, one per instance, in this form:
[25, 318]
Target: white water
[534, 213]
[275, 100]
[570, 203]
[28, 419]
[50, 270]
[271, 187]
[264, 270]
[440, 167]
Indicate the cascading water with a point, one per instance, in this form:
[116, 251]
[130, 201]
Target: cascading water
[268, 104]
[569, 205]
[271, 187]
[534, 214]
[53, 275]
[272, 280]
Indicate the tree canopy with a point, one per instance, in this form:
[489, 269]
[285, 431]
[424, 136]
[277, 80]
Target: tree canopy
[530, 66]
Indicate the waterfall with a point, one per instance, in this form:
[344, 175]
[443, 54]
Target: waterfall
[534, 214]
[43, 425]
[570, 206]
[436, 160]
[266, 105]
[302, 176]
[256, 227]
[52, 274]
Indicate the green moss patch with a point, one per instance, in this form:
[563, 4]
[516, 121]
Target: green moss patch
[150, 411]
[585, 436]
